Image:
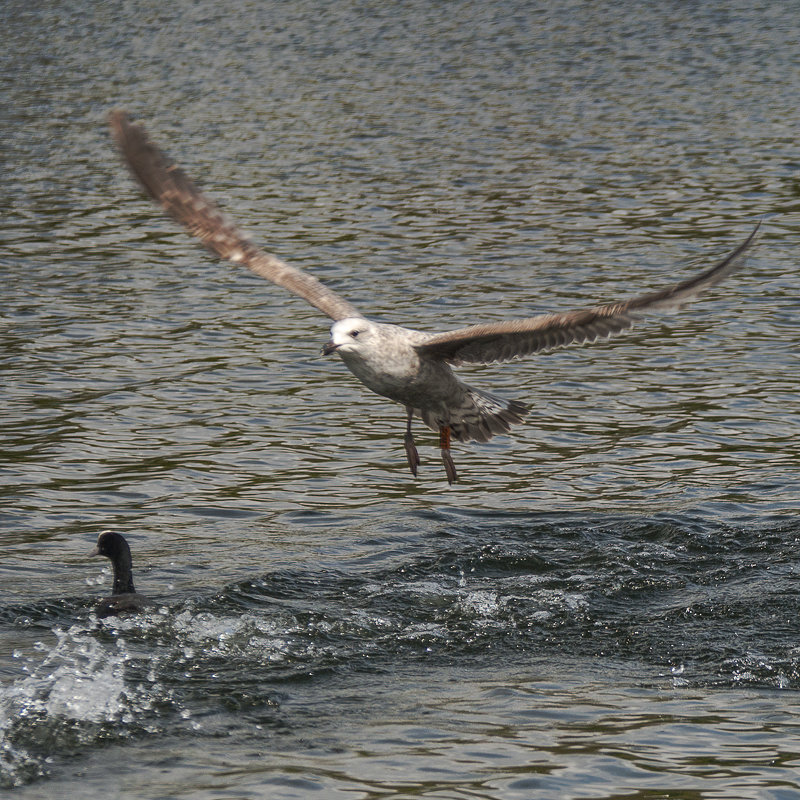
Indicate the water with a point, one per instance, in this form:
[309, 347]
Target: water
[606, 605]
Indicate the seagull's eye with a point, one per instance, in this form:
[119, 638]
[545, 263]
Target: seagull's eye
[354, 334]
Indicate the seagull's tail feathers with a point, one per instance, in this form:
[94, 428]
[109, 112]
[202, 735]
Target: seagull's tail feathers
[480, 416]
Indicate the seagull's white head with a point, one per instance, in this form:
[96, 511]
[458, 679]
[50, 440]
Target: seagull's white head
[348, 335]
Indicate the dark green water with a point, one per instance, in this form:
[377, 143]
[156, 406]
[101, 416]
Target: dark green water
[605, 606]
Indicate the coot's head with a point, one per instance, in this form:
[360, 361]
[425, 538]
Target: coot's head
[111, 545]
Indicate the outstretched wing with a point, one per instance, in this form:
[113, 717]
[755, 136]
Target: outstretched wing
[504, 341]
[169, 185]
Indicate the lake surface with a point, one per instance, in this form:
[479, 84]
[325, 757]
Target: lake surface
[605, 606]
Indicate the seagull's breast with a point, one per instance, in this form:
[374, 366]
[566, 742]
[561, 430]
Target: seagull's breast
[384, 367]
[389, 364]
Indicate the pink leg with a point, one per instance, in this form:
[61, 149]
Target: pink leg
[408, 440]
[447, 459]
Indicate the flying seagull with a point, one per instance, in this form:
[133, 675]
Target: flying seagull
[408, 366]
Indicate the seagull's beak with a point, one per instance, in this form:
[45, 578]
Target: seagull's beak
[95, 552]
[329, 348]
